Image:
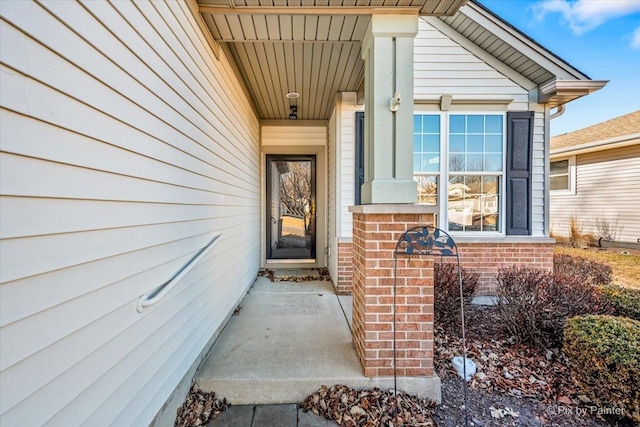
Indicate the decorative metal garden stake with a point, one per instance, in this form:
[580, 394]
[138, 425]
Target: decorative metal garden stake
[420, 241]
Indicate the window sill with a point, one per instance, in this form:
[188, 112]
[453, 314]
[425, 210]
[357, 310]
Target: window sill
[458, 238]
[392, 208]
[562, 192]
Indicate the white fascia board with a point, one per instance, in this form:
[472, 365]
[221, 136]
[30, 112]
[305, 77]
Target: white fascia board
[589, 147]
[560, 68]
[568, 90]
[476, 50]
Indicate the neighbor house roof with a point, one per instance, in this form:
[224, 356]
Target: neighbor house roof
[618, 131]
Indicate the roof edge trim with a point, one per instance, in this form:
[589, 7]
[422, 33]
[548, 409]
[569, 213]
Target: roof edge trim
[605, 144]
[560, 92]
[310, 10]
[525, 44]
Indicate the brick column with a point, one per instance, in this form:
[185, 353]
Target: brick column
[376, 229]
[344, 285]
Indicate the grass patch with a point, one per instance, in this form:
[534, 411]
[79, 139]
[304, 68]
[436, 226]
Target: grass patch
[626, 268]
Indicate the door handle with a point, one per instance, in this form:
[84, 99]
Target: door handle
[313, 208]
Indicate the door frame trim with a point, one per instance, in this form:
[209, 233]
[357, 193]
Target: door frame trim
[321, 204]
[269, 215]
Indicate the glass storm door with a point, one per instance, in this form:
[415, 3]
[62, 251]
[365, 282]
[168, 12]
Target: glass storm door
[291, 207]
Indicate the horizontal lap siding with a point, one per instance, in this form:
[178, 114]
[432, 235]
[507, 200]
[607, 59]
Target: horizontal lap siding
[347, 171]
[344, 169]
[294, 135]
[442, 67]
[333, 183]
[125, 146]
[537, 182]
[606, 190]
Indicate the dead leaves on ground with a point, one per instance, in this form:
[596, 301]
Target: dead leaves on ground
[369, 408]
[323, 275]
[500, 413]
[509, 368]
[199, 408]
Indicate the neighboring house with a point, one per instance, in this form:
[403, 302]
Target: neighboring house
[136, 134]
[595, 179]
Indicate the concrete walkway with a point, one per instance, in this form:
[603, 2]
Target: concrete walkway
[269, 416]
[287, 340]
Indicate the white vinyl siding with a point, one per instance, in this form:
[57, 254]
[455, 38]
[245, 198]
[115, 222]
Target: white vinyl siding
[442, 67]
[294, 135]
[606, 190]
[125, 145]
[347, 154]
[538, 173]
[332, 182]
[344, 163]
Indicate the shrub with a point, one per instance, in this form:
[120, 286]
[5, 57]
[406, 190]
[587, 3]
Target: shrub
[624, 302]
[604, 352]
[534, 304]
[447, 293]
[609, 231]
[593, 272]
[577, 238]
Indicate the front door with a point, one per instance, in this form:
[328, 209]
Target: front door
[291, 207]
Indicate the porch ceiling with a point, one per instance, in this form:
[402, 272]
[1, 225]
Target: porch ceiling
[425, 7]
[311, 47]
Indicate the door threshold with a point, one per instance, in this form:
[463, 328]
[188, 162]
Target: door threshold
[291, 261]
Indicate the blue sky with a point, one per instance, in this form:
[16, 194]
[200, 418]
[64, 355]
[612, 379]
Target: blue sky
[601, 38]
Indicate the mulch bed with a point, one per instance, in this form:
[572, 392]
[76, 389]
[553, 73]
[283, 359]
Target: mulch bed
[515, 385]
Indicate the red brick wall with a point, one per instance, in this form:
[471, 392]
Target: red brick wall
[487, 258]
[344, 282]
[483, 258]
[374, 241]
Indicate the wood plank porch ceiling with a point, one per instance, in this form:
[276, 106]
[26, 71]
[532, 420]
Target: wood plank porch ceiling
[311, 47]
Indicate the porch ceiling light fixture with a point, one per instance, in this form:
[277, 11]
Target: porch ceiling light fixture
[294, 113]
[292, 96]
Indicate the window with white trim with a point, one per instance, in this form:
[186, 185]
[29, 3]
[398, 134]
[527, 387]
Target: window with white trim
[561, 176]
[473, 170]
[426, 156]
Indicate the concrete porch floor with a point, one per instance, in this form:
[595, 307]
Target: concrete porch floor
[288, 340]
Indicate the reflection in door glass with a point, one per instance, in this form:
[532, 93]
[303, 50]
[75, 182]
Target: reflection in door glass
[292, 209]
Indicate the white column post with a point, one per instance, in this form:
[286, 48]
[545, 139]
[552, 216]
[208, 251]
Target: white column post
[387, 50]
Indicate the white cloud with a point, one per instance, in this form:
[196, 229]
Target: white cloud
[635, 39]
[585, 15]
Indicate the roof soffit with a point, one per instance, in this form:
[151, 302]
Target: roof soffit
[334, 7]
[307, 46]
[520, 43]
[273, 40]
[557, 81]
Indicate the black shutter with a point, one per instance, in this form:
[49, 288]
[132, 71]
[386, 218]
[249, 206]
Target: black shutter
[359, 154]
[518, 173]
